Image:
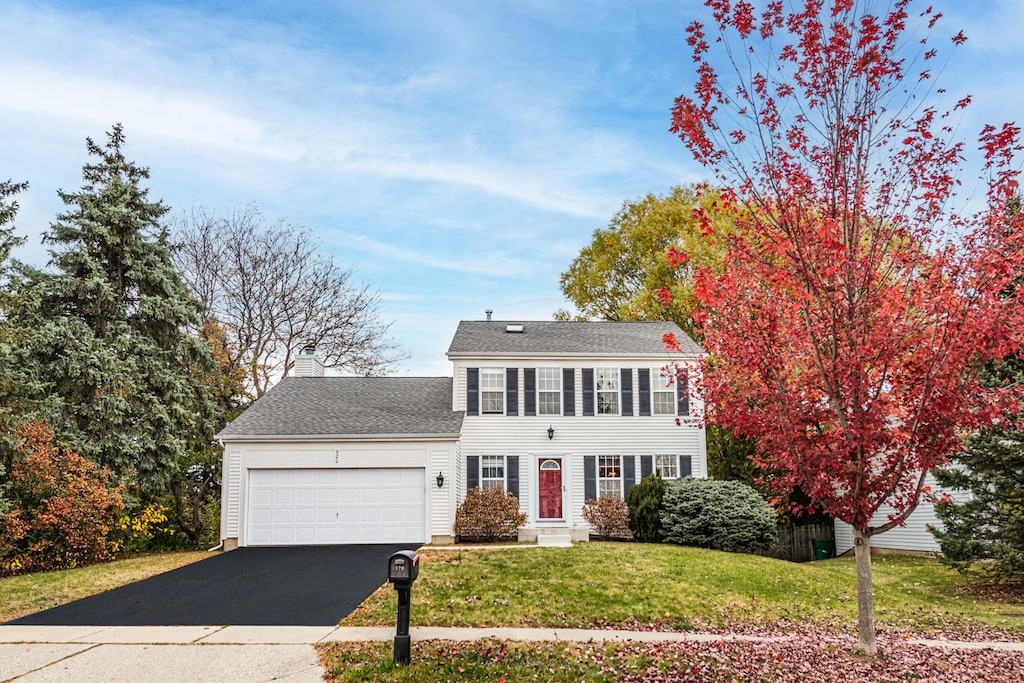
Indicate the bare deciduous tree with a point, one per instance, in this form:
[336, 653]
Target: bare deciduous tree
[274, 291]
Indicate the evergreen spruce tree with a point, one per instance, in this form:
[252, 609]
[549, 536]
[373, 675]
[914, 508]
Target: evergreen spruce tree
[124, 375]
[986, 530]
[13, 382]
[8, 210]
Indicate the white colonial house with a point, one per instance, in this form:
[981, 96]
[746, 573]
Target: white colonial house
[555, 412]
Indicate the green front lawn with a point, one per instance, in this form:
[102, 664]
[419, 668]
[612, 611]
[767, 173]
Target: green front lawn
[632, 584]
[21, 595]
[669, 587]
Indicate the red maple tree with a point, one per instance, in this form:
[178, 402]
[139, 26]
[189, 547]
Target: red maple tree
[860, 296]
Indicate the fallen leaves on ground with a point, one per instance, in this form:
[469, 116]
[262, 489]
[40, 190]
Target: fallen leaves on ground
[807, 657]
[931, 625]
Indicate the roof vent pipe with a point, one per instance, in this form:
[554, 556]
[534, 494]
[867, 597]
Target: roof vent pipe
[488, 312]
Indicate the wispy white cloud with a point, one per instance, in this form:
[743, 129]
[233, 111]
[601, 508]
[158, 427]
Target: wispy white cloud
[494, 263]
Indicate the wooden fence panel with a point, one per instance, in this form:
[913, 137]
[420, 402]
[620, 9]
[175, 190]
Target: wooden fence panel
[796, 543]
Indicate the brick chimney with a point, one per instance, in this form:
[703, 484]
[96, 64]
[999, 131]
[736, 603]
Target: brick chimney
[307, 364]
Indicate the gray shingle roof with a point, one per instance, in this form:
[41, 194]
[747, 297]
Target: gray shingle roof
[551, 337]
[308, 406]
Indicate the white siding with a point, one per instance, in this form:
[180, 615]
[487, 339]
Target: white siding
[441, 516]
[575, 436]
[914, 535]
[844, 537]
[232, 494]
[577, 497]
[459, 485]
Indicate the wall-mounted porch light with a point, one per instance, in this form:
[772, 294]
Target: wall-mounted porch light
[440, 480]
[551, 433]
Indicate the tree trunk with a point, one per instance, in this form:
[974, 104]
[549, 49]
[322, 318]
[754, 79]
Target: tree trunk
[865, 594]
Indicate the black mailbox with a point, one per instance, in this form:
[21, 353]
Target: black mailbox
[403, 566]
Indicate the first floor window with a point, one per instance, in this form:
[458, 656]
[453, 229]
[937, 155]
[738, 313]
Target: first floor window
[666, 466]
[492, 471]
[609, 476]
[492, 391]
[606, 381]
[663, 391]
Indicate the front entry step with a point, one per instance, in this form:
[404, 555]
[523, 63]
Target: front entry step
[554, 540]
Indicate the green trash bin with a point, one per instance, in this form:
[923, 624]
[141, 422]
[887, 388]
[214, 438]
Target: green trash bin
[823, 548]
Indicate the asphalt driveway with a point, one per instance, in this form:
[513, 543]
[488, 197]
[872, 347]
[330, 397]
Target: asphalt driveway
[300, 586]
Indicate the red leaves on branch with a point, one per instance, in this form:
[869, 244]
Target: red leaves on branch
[677, 258]
[856, 306]
[671, 342]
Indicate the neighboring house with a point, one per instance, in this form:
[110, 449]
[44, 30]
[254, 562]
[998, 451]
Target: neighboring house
[913, 535]
[555, 412]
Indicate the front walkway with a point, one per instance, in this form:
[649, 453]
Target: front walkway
[308, 635]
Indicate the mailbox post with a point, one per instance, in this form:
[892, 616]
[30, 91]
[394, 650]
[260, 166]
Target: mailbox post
[403, 568]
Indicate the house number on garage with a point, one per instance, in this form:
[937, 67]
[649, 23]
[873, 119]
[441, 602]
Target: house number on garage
[335, 457]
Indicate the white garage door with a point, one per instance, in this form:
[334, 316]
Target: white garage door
[322, 507]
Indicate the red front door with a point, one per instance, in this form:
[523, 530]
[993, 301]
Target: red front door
[549, 478]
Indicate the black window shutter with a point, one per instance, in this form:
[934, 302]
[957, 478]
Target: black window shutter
[589, 477]
[588, 391]
[643, 387]
[512, 474]
[529, 391]
[627, 391]
[685, 469]
[511, 391]
[568, 391]
[683, 393]
[646, 466]
[472, 391]
[628, 473]
[472, 472]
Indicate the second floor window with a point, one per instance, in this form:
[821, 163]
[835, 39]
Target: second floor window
[606, 384]
[663, 390]
[549, 391]
[492, 391]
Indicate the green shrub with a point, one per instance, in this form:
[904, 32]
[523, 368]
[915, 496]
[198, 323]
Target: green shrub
[644, 503]
[608, 516]
[719, 515]
[488, 515]
[146, 530]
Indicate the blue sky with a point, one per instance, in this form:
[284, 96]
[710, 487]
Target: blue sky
[458, 154]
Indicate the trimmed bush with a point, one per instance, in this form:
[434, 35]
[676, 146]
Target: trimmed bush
[608, 516]
[718, 515]
[488, 514]
[644, 503]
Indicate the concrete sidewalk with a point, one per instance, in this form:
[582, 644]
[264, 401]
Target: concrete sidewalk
[174, 654]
